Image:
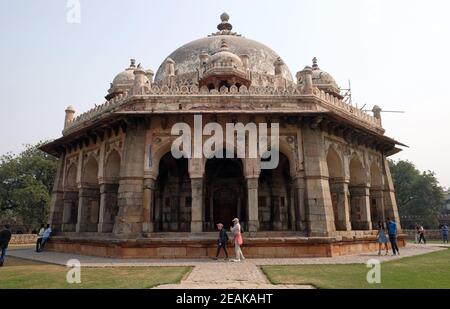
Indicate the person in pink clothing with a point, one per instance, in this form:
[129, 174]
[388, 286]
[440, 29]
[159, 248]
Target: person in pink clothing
[236, 230]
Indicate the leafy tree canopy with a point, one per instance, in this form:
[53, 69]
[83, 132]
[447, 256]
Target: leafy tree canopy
[418, 193]
[26, 182]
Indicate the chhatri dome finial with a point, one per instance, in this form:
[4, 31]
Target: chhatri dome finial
[132, 63]
[224, 25]
[315, 65]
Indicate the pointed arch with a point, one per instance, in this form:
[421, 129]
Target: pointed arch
[90, 172]
[359, 195]
[71, 176]
[112, 166]
[338, 189]
[376, 194]
[357, 171]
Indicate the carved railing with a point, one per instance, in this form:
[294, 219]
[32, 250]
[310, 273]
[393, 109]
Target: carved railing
[157, 90]
[97, 110]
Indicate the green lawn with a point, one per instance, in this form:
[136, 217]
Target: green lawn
[24, 274]
[424, 271]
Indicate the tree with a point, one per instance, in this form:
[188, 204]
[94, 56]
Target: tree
[26, 182]
[418, 193]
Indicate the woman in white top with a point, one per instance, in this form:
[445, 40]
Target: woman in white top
[236, 230]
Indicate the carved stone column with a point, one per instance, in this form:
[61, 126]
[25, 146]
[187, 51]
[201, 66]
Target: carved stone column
[197, 205]
[149, 207]
[252, 210]
[291, 209]
[301, 216]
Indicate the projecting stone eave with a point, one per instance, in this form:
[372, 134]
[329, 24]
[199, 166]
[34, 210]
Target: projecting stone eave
[303, 106]
[89, 132]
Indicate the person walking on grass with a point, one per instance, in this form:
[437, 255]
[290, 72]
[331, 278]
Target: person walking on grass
[381, 237]
[444, 229]
[222, 241]
[416, 239]
[392, 231]
[39, 239]
[422, 235]
[236, 230]
[5, 237]
[45, 237]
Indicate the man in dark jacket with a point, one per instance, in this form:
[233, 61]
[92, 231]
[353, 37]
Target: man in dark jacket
[222, 241]
[5, 237]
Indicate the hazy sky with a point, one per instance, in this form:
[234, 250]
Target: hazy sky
[396, 54]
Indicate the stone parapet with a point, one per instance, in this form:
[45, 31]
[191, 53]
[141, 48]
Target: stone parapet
[155, 91]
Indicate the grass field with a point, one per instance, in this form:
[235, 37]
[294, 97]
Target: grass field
[25, 274]
[424, 271]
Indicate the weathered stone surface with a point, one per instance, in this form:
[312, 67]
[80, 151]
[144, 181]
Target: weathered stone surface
[117, 178]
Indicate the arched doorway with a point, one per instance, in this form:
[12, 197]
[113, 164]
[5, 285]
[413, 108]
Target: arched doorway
[89, 195]
[172, 204]
[109, 192]
[376, 194]
[70, 199]
[276, 210]
[338, 189]
[225, 192]
[359, 196]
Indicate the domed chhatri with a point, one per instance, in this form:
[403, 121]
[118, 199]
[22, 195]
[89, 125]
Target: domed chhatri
[123, 82]
[224, 68]
[120, 191]
[260, 59]
[324, 81]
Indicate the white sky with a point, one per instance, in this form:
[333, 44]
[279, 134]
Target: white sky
[396, 54]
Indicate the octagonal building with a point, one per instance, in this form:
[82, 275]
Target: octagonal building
[120, 192]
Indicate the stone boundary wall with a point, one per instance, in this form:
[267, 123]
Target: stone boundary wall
[429, 234]
[23, 239]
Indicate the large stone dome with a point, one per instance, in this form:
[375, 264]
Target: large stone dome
[261, 59]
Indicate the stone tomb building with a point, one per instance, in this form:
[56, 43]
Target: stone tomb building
[120, 192]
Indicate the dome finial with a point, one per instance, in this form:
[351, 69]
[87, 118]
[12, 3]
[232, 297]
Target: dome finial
[132, 63]
[224, 25]
[315, 65]
[224, 17]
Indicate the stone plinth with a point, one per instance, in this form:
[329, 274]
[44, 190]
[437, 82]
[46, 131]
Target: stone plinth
[185, 245]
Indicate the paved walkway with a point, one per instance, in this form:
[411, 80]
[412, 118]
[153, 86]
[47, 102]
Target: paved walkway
[222, 274]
